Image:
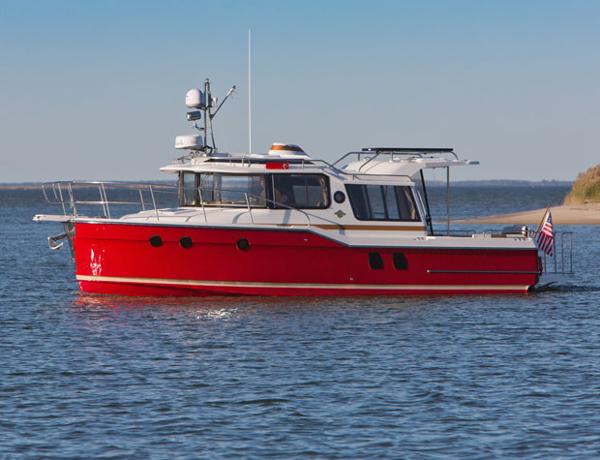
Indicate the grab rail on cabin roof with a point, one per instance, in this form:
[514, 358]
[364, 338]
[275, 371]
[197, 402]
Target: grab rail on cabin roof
[374, 152]
[303, 162]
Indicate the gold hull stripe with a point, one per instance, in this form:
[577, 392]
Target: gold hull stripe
[350, 287]
[393, 228]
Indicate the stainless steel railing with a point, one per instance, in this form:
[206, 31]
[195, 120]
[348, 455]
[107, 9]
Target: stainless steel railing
[246, 195]
[99, 196]
[561, 260]
[76, 198]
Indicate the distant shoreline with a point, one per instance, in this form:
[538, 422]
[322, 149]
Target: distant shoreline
[466, 183]
[582, 214]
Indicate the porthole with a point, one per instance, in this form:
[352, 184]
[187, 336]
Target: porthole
[243, 244]
[156, 241]
[185, 242]
[400, 262]
[339, 197]
[375, 261]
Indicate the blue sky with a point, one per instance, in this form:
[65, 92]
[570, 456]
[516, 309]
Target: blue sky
[94, 89]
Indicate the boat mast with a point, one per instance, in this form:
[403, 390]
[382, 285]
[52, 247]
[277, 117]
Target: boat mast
[250, 91]
[206, 110]
[204, 102]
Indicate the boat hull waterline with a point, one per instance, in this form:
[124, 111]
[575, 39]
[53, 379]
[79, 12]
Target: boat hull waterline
[163, 260]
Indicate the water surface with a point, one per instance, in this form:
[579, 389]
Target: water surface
[410, 377]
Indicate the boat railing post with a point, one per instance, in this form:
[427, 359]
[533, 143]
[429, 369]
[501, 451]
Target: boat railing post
[562, 252]
[554, 255]
[101, 202]
[154, 202]
[545, 264]
[249, 208]
[62, 201]
[447, 200]
[72, 198]
[202, 204]
[428, 221]
[571, 253]
[105, 199]
[142, 199]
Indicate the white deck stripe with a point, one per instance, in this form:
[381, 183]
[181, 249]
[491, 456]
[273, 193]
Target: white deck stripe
[249, 284]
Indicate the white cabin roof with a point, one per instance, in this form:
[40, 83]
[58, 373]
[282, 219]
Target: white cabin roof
[400, 167]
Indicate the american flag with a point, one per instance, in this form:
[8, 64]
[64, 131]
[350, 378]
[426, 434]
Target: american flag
[545, 235]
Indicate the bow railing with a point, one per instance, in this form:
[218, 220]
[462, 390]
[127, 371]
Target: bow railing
[111, 200]
[99, 198]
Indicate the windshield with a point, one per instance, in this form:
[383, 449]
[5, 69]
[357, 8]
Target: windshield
[223, 190]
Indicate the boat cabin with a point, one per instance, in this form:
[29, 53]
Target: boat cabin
[375, 185]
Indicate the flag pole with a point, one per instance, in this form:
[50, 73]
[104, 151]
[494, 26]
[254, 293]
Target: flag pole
[542, 221]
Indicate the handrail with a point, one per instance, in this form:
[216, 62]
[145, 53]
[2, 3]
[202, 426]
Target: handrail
[376, 153]
[54, 194]
[261, 198]
[561, 262]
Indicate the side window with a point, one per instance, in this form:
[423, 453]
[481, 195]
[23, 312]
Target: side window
[358, 201]
[188, 193]
[391, 202]
[207, 185]
[306, 191]
[235, 190]
[383, 202]
[406, 203]
[232, 189]
[376, 202]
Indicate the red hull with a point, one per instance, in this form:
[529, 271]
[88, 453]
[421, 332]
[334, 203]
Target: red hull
[119, 259]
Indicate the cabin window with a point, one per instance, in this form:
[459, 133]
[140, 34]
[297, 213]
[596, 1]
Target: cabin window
[305, 191]
[235, 190]
[188, 191]
[383, 202]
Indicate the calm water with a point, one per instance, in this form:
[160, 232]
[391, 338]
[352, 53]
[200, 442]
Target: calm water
[415, 377]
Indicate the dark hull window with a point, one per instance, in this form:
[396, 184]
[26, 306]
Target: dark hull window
[305, 191]
[400, 262]
[375, 261]
[383, 202]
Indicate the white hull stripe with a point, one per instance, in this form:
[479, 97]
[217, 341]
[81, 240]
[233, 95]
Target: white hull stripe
[254, 284]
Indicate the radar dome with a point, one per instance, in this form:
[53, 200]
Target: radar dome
[189, 141]
[194, 98]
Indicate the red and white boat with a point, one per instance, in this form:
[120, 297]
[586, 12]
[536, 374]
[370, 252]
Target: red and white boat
[282, 223]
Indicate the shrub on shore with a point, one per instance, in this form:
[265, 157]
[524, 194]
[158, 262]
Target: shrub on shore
[586, 188]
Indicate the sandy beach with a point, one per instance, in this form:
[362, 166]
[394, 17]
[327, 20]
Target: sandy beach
[582, 214]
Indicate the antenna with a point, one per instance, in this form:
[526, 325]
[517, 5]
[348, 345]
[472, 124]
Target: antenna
[250, 91]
